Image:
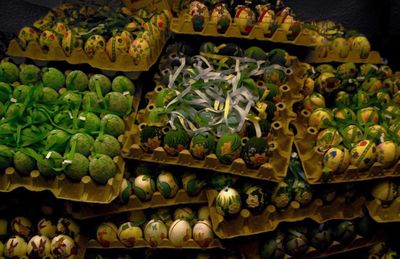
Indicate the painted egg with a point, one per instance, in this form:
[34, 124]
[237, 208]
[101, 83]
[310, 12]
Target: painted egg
[220, 181]
[245, 19]
[296, 244]
[43, 23]
[344, 114]
[38, 246]
[62, 246]
[180, 232]
[321, 238]
[185, 213]
[383, 98]
[385, 71]
[368, 115]
[388, 153]
[221, 17]
[328, 82]
[266, 19]
[325, 68]
[363, 155]
[137, 217]
[203, 234]
[160, 21]
[228, 202]
[308, 87]
[116, 46]
[47, 40]
[352, 133]
[70, 41]
[167, 184]
[199, 13]
[68, 227]
[282, 195]
[347, 71]
[132, 26]
[254, 198]
[275, 76]
[320, 117]
[15, 247]
[144, 187]
[345, 232]
[328, 138]
[228, 148]
[21, 226]
[202, 145]
[302, 193]
[340, 47]
[385, 191]
[362, 45]
[372, 85]
[59, 28]
[127, 37]
[392, 112]
[151, 137]
[368, 70]
[336, 160]
[285, 18]
[46, 228]
[192, 184]
[272, 249]
[176, 141]
[342, 99]
[255, 152]
[203, 213]
[375, 132]
[26, 35]
[93, 44]
[107, 233]
[128, 234]
[126, 191]
[313, 101]
[155, 231]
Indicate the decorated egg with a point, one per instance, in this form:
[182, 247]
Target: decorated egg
[328, 82]
[344, 114]
[116, 46]
[43, 23]
[47, 40]
[46, 228]
[220, 181]
[203, 234]
[255, 152]
[347, 71]
[62, 246]
[228, 202]
[151, 137]
[60, 28]
[199, 13]
[285, 18]
[15, 247]
[128, 234]
[336, 160]
[340, 47]
[144, 187]
[275, 76]
[367, 115]
[345, 232]
[160, 21]
[368, 70]
[26, 35]
[392, 112]
[228, 148]
[279, 57]
[372, 85]
[352, 133]
[320, 117]
[383, 98]
[137, 217]
[221, 17]
[68, 227]
[126, 191]
[94, 44]
[139, 49]
[203, 213]
[385, 191]
[38, 246]
[176, 141]
[361, 44]
[321, 237]
[328, 138]
[302, 192]
[272, 248]
[296, 243]
[308, 87]
[342, 99]
[185, 213]
[21, 226]
[167, 184]
[180, 232]
[282, 195]
[363, 155]
[388, 153]
[192, 184]
[71, 41]
[385, 71]
[107, 233]
[313, 101]
[266, 19]
[254, 198]
[245, 18]
[325, 68]
[155, 231]
[202, 145]
[375, 132]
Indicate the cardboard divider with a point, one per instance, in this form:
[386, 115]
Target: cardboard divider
[87, 211]
[384, 214]
[322, 54]
[246, 223]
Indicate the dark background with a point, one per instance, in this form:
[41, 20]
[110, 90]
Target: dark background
[379, 20]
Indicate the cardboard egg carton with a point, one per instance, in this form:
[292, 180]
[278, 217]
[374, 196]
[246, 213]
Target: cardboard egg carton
[312, 158]
[322, 54]
[382, 213]
[87, 211]
[246, 223]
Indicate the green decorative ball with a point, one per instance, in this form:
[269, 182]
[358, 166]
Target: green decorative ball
[325, 68]
[101, 82]
[57, 140]
[22, 92]
[255, 152]
[83, 143]
[123, 84]
[50, 161]
[256, 53]
[29, 74]
[89, 121]
[202, 145]
[23, 163]
[53, 78]
[6, 156]
[102, 168]
[77, 80]
[228, 148]
[113, 125]
[175, 141]
[90, 101]
[118, 103]
[151, 137]
[9, 72]
[49, 95]
[77, 167]
[107, 145]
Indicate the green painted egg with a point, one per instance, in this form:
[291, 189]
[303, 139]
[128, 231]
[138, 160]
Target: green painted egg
[328, 82]
[151, 137]
[321, 237]
[102, 168]
[363, 155]
[387, 153]
[28, 74]
[228, 148]
[100, 84]
[361, 99]
[107, 145]
[228, 202]
[347, 71]
[385, 71]
[367, 115]
[255, 152]
[328, 138]
[372, 85]
[6, 156]
[313, 101]
[302, 193]
[144, 187]
[336, 160]
[282, 195]
[345, 232]
[154, 232]
[77, 80]
[51, 161]
[254, 198]
[342, 99]
[53, 78]
[220, 181]
[279, 57]
[5, 92]
[256, 53]
[296, 243]
[107, 233]
[352, 133]
[23, 163]
[275, 76]
[392, 112]
[118, 103]
[202, 145]
[126, 191]
[128, 234]
[167, 184]
[320, 117]
[192, 184]
[221, 17]
[176, 141]
[272, 248]
[344, 114]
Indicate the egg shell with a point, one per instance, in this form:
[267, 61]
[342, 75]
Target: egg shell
[128, 234]
[372, 85]
[126, 191]
[385, 191]
[347, 71]
[202, 145]
[313, 101]
[340, 47]
[321, 238]
[361, 44]
[388, 153]
[363, 155]
[319, 117]
[228, 202]
[328, 138]
[192, 184]
[139, 49]
[203, 213]
[167, 184]
[245, 18]
[15, 247]
[26, 35]
[144, 187]
[344, 114]
[221, 17]
[39, 246]
[337, 159]
[255, 152]
[185, 213]
[47, 228]
[352, 133]
[155, 231]
[70, 41]
[68, 227]
[180, 232]
[93, 44]
[21, 226]
[203, 233]
[107, 233]
[328, 82]
[63, 246]
[199, 13]
[116, 46]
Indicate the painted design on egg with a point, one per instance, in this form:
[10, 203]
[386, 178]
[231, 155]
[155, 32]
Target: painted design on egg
[221, 17]
[363, 154]
[245, 18]
[93, 44]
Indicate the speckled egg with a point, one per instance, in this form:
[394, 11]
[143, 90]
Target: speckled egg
[320, 117]
[245, 18]
[203, 234]
[116, 46]
[15, 247]
[385, 191]
[155, 231]
[46, 228]
[107, 233]
[372, 85]
[68, 227]
[361, 44]
[126, 191]
[128, 234]
[199, 14]
[228, 148]
[228, 202]
[344, 114]
[62, 246]
[282, 195]
[144, 187]
[352, 133]
[345, 232]
[71, 41]
[38, 246]
[328, 82]
[26, 35]
[328, 138]
[368, 115]
[336, 160]
[47, 40]
[340, 47]
[221, 17]
[21, 226]
[192, 184]
[342, 99]
[254, 198]
[388, 153]
[266, 19]
[167, 184]
[313, 101]
[93, 44]
[363, 155]
[180, 232]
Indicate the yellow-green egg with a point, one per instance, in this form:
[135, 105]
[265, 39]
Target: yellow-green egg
[363, 155]
[313, 101]
[328, 138]
[320, 117]
[388, 153]
[337, 159]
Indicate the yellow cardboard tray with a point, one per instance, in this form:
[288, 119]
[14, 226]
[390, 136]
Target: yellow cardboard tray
[87, 211]
[246, 224]
[384, 214]
[323, 55]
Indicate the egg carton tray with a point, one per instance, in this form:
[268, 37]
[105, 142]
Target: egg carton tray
[246, 224]
[85, 190]
[312, 159]
[384, 214]
[183, 25]
[251, 249]
[87, 211]
[323, 55]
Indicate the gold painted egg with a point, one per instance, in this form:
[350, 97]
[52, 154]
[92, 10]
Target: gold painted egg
[93, 44]
[43, 23]
[245, 19]
[15, 247]
[340, 47]
[363, 155]
[107, 233]
[116, 46]
[203, 234]
[128, 234]
[361, 98]
[388, 153]
[155, 231]
[139, 49]
[392, 112]
[386, 191]
[26, 35]
[62, 246]
[328, 138]
[38, 246]
[337, 159]
[47, 40]
[361, 44]
[180, 232]
[313, 101]
[221, 17]
[368, 115]
[228, 202]
[320, 117]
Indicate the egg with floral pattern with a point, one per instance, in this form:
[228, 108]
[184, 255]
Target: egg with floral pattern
[180, 232]
[60, 29]
[313, 101]
[139, 49]
[155, 231]
[107, 233]
[254, 198]
[255, 152]
[176, 141]
[151, 137]
[93, 44]
[192, 184]
[203, 234]
[228, 202]
[388, 153]
[199, 13]
[245, 19]
[26, 35]
[320, 117]
[71, 41]
[336, 160]
[221, 17]
[282, 195]
[202, 145]
[167, 184]
[160, 21]
[363, 155]
[47, 40]
[128, 234]
[116, 46]
[228, 148]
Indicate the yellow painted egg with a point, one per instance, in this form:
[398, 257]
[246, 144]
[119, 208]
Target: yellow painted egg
[375, 132]
[328, 82]
[155, 231]
[361, 44]
[139, 49]
[352, 133]
[308, 87]
[60, 29]
[313, 101]
[15, 247]
[388, 153]
[320, 117]
[228, 202]
[47, 40]
[116, 46]
[372, 85]
[43, 23]
[62, 246]
[328, 138]
[340, 47]
[200, 15]
[342, 99]
[70, 41]
[344, 114]
[363, 155]
[107, 233]
[245, 19]
[180, 232]
[368, 115]
[203, 234]
[93, 44]
[385, 191]
[26, 35]
[132, 26]
[285, 18]
[266, 19]
[221, 17]
[128, 234]
[21, 226]
[39, 246]
[127, 37]
[47, 228]
[337, 159]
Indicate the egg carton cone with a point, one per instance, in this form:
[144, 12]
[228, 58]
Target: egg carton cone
[183, 25]
[130, 118]
[322, 54]
[384, 213]
[246, 223]
[88, 211]
[250, 250]
[82, 243]
[312, 158]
